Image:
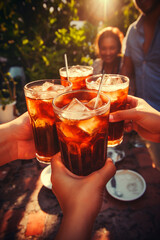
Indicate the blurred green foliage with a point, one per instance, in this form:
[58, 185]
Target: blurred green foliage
[35, 34]
[7, 90]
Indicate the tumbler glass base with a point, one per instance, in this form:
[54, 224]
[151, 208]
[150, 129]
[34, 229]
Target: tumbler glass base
[42, 159]
[114, 143]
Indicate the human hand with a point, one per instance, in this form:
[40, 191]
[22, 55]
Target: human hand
[22, 133]
[141, 117]
[80, 197]
[16, 141]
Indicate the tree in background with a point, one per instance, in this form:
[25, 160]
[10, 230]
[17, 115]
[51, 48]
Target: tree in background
[35, 34]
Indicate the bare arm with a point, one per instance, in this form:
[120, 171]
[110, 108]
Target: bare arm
[8, 149]
[128, 70]
[80, 198]
[145, 118]
[16, 140]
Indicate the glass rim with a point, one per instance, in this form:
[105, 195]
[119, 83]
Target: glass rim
[107, 105]
[107, 87]
[70, 66]
[111, 75]
[26, 88]
[88, 72]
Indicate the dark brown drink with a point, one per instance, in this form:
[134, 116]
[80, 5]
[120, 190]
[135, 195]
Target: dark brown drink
[82, 130]
[77, 75]
[115, 134]
[39, 97]
[116, 87]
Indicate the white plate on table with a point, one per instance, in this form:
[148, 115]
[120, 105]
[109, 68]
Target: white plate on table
[129, 184]
[46, 177]
[115, 154]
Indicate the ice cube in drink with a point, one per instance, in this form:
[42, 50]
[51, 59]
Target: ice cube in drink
[39, 96]
[77, 75]
[82, 130]
[116, 87]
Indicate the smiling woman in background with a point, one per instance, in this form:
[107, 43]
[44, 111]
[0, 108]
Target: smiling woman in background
[108, 48]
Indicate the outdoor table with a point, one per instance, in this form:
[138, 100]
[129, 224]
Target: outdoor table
[28, 210]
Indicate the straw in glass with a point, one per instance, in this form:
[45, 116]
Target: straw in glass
[99, 90]
[66, 64]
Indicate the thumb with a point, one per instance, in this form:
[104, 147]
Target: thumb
[107, 171]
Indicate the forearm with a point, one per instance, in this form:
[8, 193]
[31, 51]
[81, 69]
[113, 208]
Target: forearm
[75, 226]
[128, 70]
[8, 146]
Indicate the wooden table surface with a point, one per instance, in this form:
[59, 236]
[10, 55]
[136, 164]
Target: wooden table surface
[28, 210]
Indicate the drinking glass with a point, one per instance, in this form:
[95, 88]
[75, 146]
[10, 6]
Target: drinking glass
[116, 87]
[82, 130]
[39, 96]
[77, 75]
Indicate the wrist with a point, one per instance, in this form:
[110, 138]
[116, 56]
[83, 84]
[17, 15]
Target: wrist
[77, 224]
[83, 216]
[8, 147]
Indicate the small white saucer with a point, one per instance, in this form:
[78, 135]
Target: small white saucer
[129, 183]
[115, 155]
[46, 177]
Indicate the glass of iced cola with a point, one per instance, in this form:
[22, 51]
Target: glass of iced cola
[82, 130]
[116, 87]
[77, 75]
[39, 96]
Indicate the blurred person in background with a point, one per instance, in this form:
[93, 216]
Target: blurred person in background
[142, 52]
[142, 60]
[108, 46]
[108, 49]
